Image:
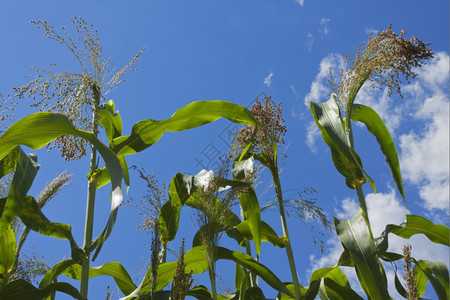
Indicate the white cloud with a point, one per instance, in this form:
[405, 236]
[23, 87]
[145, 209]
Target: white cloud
[312, 133]
[324, 26]
[425, 153]
[310, 42]
[383, 209]
[320, 89]
[372, 31]
[268, 80]
[301, 2]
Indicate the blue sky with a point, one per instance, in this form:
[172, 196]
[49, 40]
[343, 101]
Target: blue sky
[236, 51]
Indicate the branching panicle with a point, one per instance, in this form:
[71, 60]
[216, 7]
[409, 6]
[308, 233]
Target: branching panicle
[385, 59]
[409, 277]
[182, 282]
[74, 94]
[270, 116]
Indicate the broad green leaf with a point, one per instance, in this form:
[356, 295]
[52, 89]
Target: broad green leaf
[200, 292]
[55, 271]
[438, 275]
[357, 238]
[328, 119]
[208, 229]
[245, 285]
[110, 120]
[330, 283]
[376, 126]
[399, 287]
[7, 251]
[415, 224]
[239, 277]
[22, 290]
[25, 172]
[249, 201]
[186, 189]
[33, 218]
[291, 288]
[147, 132]
[196, 262]
[113, 269]
[254, 293]
[267, 234]
[8, 163]
[37, 130]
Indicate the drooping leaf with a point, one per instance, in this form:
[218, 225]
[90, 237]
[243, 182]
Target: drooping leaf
[55, 271]
[26, 170]
[7, 251]
[242, 231]
[254, 293]
[357, 238]
[22, 290]
[438, 275]
[399, 287]
[249, 201]
[33, 218]
[37, 130]
[8, 163]
[328, 119]
[113, 269]
[147, 132]
[200, 292]
[110, 120]
[376, 126]
[415, 224]
[291, 288]
[196, 262]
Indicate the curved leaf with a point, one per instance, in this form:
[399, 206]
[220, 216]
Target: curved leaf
[55, 271]
[356, 237]
[248, 199]
[196, 262]
[438, 275]
[26, 170]
[113, 269]
[376, 126]
[7, 252]
[147, 132]
[110, 120]
[267, 234]
[22, 290]
[37, 130]
[8, 163]
[328, 118]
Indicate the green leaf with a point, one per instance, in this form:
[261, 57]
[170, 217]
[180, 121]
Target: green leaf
[376, 126]
[185, 189]
[33, 218]
[26, 170]
[37, 130]
[200, 292]
[22, 290]
[147, 132]
[356, 237]
[254, 293]
[291, 288]
[416, 224]
[7, 251]
[267, 234]
[110, 120]
[249, 200]
[328, 118]
[8, 163]
[239, 277]
[113, 269]
[438, 275]
[196, 262]
[55, 271]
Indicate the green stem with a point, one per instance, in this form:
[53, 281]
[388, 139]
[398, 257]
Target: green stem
[90, 202]
[89, 223]
[289, 253]
[359, 191]
[212, 279]
[248, 250]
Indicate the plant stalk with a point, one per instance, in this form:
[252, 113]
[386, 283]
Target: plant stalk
[289, 253]
[90, 202]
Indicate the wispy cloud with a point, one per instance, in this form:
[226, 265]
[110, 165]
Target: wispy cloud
[268, 80]
[324, 29]
[309, 42]
[372, 31]
[301, 2]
